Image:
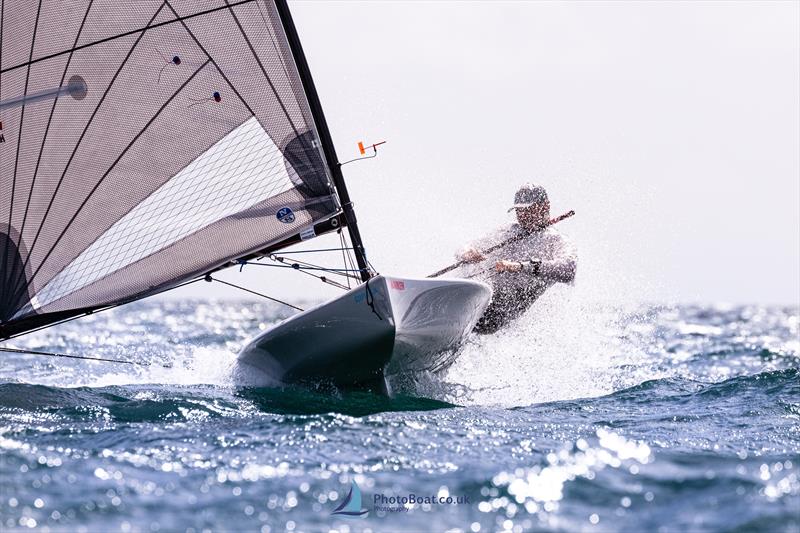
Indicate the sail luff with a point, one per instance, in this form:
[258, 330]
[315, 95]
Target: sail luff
[325, 136]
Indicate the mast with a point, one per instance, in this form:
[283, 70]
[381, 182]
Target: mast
[325, 135]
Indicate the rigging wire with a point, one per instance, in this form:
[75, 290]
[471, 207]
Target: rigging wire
[317, 250]
[305, 265]
[304, 270]
[344, 253]
[95, 311]
[296, 266]
[359, 159]
[363, 151]
[69, 356]
[210, 279]
[349, 260]
[321, 278]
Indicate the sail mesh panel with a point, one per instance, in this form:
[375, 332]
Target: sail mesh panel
[145, 143]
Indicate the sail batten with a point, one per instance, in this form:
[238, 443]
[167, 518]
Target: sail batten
[149, 155]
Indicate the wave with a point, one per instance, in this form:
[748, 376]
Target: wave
[141, 403]
[773, 381]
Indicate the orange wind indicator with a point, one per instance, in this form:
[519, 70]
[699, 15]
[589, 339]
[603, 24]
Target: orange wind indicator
[363, 151]
[374, 147]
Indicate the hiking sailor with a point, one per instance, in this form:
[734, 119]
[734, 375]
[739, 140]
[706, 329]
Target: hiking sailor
[535, 258]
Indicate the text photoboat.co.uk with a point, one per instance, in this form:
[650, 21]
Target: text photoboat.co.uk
[398, 504]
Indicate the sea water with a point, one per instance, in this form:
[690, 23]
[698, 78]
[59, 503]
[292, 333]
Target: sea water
[578, 417]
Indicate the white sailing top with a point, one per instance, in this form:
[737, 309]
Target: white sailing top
[514, 292]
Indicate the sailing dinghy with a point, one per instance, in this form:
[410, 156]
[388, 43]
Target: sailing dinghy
[148, 145]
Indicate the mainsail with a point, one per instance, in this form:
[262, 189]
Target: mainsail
[143, 144]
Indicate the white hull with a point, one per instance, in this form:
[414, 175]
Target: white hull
[387, 326]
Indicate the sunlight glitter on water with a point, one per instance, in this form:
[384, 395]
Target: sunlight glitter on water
[187, 447]
[532, 487]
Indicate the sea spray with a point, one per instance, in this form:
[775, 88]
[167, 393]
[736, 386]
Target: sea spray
[701, 417]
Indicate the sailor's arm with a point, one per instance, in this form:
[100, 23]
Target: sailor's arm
[559, 270]
[470, 255]
[562, 267]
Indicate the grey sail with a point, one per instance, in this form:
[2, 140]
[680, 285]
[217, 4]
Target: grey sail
[144, 144]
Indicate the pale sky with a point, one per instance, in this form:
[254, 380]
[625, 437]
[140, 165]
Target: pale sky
[673, 129]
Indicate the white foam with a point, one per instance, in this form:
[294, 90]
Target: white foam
[564, 347]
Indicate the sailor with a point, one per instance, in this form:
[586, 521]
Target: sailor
[535, 258]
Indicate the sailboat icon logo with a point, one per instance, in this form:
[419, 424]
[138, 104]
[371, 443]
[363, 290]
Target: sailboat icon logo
[351, 506]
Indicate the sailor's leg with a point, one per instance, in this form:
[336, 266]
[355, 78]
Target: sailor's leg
[497, 313]
[507, 304]
[489, 323]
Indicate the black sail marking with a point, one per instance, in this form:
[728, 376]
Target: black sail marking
[2, 19]
[4, 264]
[263, 70]
[165, 193]
[120, 35]
[25, 285]
[50, 119]
[211, 59]
[117, 160]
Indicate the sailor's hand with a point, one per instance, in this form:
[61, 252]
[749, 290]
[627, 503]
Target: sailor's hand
[472, 256]
[508, 266]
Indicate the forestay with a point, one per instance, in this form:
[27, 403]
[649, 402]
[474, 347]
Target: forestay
[143, 144]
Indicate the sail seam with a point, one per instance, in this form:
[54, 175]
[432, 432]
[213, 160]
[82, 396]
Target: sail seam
[121, 35]
[25, 286]
[2, 24]
[19, 146]
[122, 243]
[153, 180]
[261, 66]
[49, 121]
[117, 160]
[273, 40]
[203, 49]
